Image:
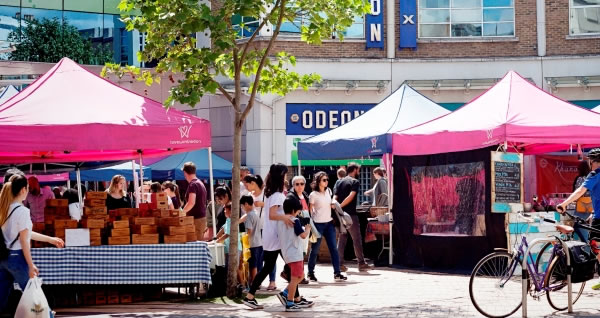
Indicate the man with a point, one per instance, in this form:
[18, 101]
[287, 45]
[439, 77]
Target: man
[36, 199]
[244, 171]
[591, 183]
[341, 173]
[346, 195]
[195, 198]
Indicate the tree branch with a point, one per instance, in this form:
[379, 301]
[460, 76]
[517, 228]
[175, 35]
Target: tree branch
[260, 26]
[236, 79]
[263, 60]
[225, 93]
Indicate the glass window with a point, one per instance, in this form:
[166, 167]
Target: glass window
[356, 30]
[434, 4]
[9, 22]
[434, 16]
[466, 15]
[497, 3]
[434, 30]
[110, 6]
[249, 24]
[466, 29]
[42, 4]
[498, 29]
[584, 17]
[497, 15]
[29, 14]
[466, 3]
[84, 5]
[118, 40]
[14, 3]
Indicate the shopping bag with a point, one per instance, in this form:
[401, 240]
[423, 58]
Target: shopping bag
[33, 303]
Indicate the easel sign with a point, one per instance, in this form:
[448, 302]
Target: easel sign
[507, 182]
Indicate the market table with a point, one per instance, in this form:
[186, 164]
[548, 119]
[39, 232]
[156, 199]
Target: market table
[158, 264]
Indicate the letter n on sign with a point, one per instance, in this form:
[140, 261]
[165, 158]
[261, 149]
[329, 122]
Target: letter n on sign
[374, 25]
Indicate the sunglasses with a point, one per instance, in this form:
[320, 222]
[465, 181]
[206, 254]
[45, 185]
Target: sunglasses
[326, 180]
[299, 184]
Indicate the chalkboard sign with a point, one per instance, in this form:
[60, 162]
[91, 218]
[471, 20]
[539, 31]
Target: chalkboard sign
[507, 181]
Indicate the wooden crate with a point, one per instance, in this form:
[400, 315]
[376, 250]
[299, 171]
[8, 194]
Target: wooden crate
[125, 298]
[119, 240]
[190, 228]
[94, 210]
[144, 229]
[92, 223]
[95, 241]
[59, 232]
[39, 227]
[121, 224]
[89, 298]
[113, 299]
[57, 202]
[120, 232]
[191, 237]
[96, 195]
[100, 299]
[144, 239]
[95, 233]
[144, 207]
[145, 221]
[175, 239]
[65, 224]
[177, 221]
[159, 205]
[173, 230]
[94, 203]
[158, 197]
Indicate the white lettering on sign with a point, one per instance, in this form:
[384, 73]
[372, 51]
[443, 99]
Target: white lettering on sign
[307, 119]
[375, 32]
[408, 19]
[375, 7]
[346, 117]
[320, 119]
[333, 119]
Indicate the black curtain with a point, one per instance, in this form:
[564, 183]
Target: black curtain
[441, 252]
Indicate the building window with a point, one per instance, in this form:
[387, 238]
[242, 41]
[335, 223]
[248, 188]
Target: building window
[245, 26]
[584, 17]
[466, 18]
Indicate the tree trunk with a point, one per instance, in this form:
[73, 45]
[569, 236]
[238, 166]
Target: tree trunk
[235, 207]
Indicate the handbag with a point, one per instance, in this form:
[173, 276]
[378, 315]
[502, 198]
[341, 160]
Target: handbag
[583, 261]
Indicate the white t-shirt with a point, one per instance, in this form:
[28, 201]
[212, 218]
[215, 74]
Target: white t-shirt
[270, 237]
[321, 203]
[18, 221]
[263, 215]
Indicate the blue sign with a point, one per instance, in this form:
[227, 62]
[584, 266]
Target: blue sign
[374, 25]
[408, 24]
[315, 119]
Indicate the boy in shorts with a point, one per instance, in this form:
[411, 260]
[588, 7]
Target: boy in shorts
[253, 228]
[292, 250]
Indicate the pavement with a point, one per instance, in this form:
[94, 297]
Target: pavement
[382, 292]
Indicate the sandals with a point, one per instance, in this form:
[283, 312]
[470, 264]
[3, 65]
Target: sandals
[272, 288]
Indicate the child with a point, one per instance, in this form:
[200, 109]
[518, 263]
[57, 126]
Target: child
[292, 250]
[223, 237]
[253, 228]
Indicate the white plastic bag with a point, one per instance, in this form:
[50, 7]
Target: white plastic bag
[33, 303]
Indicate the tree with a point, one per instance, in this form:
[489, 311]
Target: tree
[169, 24]
[51, 40]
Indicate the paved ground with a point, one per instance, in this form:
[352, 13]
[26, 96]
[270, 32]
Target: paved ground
[382, 292]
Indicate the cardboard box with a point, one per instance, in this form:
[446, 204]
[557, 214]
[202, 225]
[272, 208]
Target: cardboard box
[92, 223]
[119, 240]
[191, 237]
[96, 195]
[177, 221]
[175, 239]
[144, 229]
[120, 232]
[173, 230]
[94, 203]
[190, 228]
[145, 221]
[57, 202]
[144, 239]
[94, 210]
[65, 224]
[121, 224]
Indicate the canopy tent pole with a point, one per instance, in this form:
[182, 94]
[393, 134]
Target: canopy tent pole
[69, 184]
[299, 168]
[389, 167]
[212, 193]
[136, 188]
[79, 194]
[141, 177]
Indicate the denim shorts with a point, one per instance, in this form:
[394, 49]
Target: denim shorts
[256, 256]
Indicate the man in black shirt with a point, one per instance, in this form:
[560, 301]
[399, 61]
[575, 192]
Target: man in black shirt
[346, 194]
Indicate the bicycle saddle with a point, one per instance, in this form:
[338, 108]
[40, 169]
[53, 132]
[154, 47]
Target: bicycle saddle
[565, 229]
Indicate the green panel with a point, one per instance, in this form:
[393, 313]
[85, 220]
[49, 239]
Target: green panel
[42, 4]
[342, 162]
[451, 106]
[12, 3]
[589, 104]
[84, 5]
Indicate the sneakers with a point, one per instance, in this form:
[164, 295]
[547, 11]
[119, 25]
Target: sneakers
[292, 307]
[343, 268]
[312, 277]
[303, 303]
[252, 303]
[364, 267]
[596, 286]
[339, 277]
[304, 281]
[282, 298]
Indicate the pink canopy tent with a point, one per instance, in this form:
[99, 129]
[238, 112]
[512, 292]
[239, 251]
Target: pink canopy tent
[72, 115]
[514, 111]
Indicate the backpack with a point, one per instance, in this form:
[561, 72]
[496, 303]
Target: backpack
[5, 250]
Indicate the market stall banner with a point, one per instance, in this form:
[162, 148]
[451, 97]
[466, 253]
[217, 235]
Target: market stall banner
[375, 29]
[314, 119]
[555, 174]
[449, 199]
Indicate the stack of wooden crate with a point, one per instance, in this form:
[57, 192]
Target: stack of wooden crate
[175, 229]
[61, 225]
[159, 201]
[95, 216]
[55, 209]
[145, 231]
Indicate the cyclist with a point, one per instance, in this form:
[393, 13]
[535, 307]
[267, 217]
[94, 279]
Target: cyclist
[591, 183]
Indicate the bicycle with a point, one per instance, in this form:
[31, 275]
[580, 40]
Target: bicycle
[499, 275]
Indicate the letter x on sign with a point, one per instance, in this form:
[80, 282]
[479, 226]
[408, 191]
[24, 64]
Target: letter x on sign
[408, 19]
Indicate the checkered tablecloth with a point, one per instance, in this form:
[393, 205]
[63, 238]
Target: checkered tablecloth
[125, 264]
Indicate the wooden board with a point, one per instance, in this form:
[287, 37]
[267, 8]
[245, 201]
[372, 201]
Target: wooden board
[121, 224]
[507, 182]
[144, 239]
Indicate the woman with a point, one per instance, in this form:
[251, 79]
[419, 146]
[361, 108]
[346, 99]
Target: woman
[17, 227]
[271, 244]
[172, 191]
[379, 188]
[223, 198]
[298, 183]
[320, 211]
[117, 197]
[254, 184]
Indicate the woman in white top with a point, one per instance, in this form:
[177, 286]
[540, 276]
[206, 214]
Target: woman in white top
[16, 224]
[320, 210]
[271, 244]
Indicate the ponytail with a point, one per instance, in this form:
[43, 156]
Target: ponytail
[6, 198]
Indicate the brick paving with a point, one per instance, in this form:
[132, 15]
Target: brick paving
[383, 292]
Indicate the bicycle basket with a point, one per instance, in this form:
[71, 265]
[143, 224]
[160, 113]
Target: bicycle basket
[583, 261]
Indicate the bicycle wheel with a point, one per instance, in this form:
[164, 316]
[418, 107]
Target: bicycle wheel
[556, 284]
[543, 258]
[495, 285]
